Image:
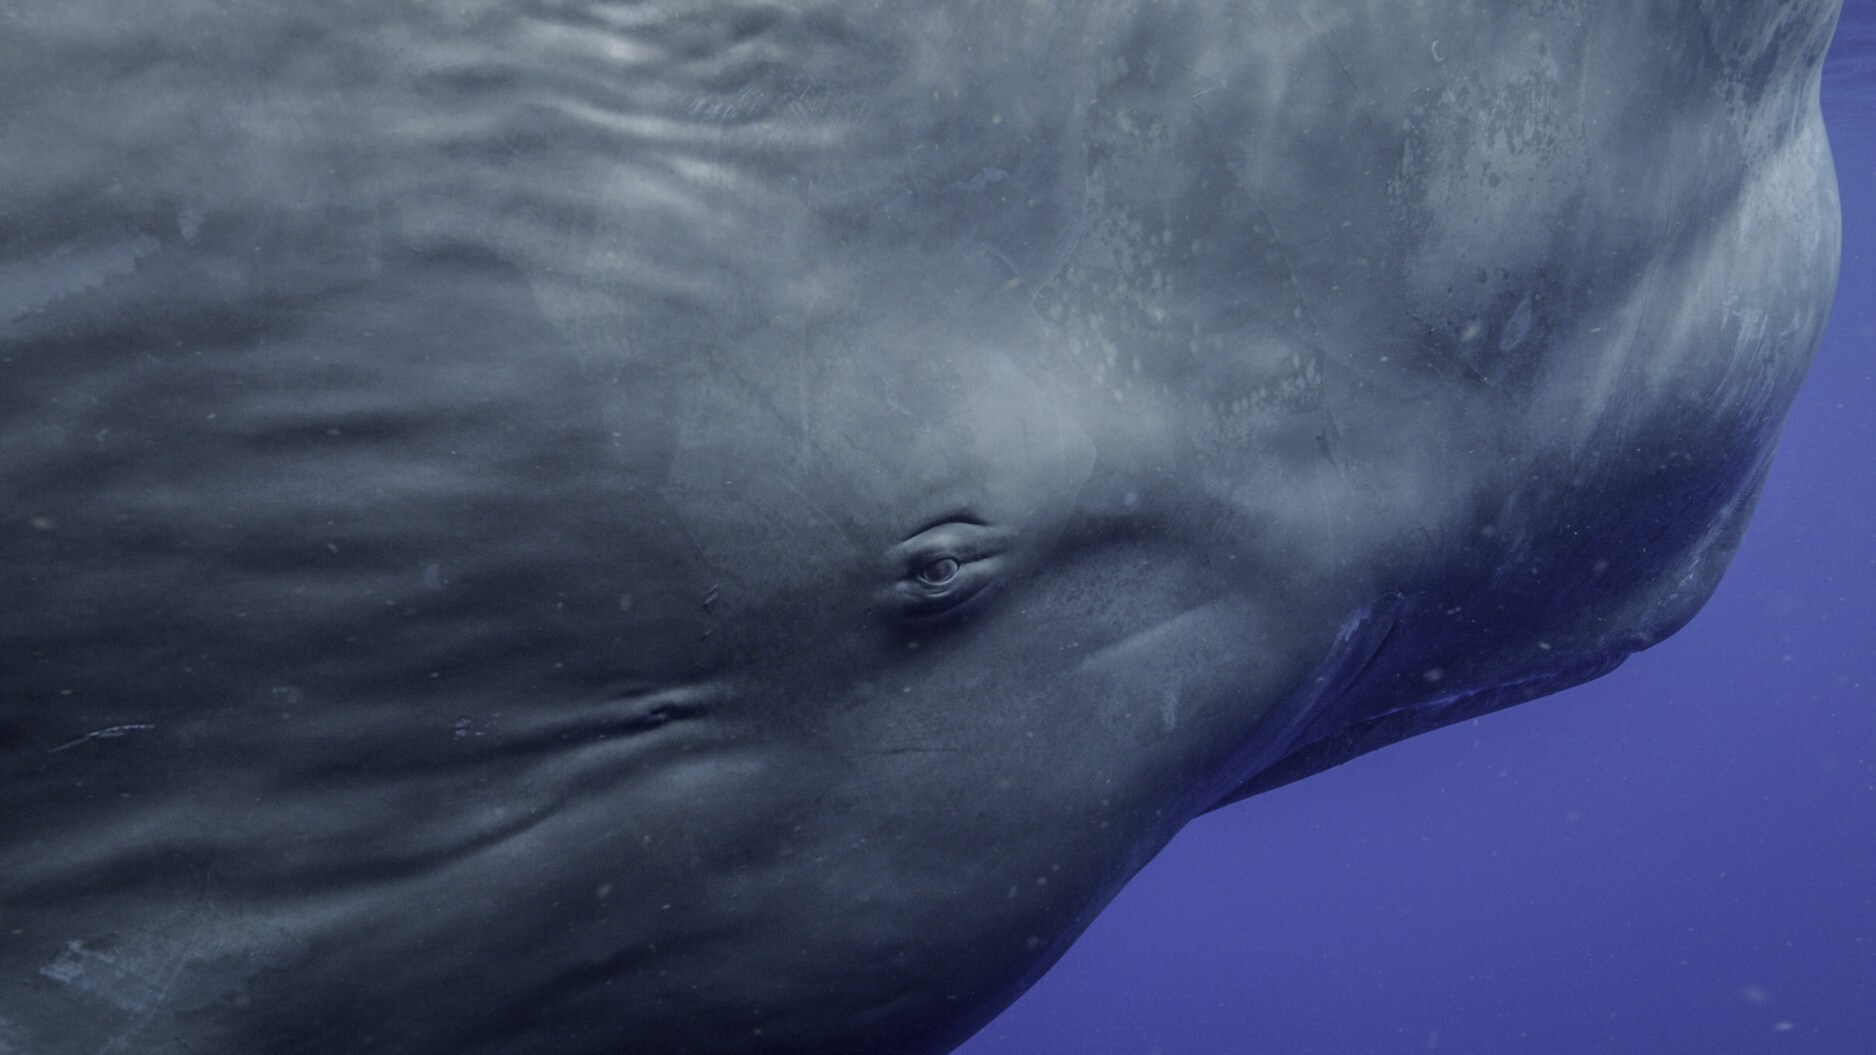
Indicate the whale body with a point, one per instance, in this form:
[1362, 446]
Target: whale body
[735, 526]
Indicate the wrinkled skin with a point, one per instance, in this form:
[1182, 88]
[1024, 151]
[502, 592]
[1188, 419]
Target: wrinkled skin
[723, 527]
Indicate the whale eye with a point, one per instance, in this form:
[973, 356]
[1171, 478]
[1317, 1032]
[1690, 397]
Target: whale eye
[946, 565]
[939, 572]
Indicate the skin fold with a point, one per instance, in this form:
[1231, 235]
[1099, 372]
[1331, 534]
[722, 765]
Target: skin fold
[734, 528]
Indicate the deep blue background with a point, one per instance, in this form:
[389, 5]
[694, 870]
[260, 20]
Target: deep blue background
[1678, 858]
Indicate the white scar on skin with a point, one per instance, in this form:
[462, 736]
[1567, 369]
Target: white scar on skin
[28, 285]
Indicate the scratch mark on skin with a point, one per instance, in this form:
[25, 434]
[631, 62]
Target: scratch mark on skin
[1322, 40]
[113, 733]
[139, 981]
[1055, 271]
[107, 977]
[118, 982]
[1015, 272]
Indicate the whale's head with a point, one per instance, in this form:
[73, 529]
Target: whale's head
[736, 527]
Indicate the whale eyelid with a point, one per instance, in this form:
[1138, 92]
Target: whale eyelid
[961, 515]
[964, 541]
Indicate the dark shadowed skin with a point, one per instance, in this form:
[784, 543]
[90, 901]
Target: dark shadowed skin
[735, 527]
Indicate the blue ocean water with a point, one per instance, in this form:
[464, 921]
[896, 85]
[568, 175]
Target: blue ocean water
[1678, 858]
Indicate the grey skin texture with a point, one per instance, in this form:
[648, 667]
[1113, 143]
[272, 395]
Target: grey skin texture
[709, 526]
